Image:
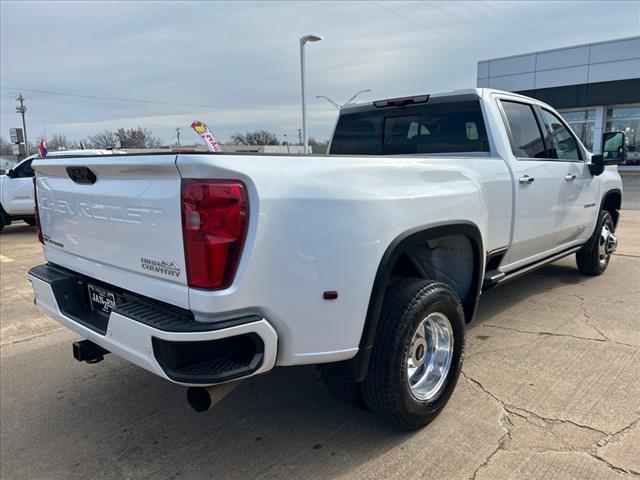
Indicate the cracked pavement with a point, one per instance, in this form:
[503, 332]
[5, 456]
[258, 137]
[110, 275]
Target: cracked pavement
[550, 389]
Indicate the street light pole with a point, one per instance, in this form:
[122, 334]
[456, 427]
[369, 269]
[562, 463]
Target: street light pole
[303, 41]
[335, 104]
[354, 97]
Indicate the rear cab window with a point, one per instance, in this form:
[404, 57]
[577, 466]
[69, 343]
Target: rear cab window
[444, 126]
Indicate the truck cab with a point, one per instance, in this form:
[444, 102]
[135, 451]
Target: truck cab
[555, 188]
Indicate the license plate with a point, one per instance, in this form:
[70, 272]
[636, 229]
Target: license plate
[102, 301]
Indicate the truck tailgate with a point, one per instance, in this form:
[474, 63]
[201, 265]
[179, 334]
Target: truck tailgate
[116, 218]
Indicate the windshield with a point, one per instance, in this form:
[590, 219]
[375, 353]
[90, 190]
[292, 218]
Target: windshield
[444, 127]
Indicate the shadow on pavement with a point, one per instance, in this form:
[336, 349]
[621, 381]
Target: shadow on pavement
[546, 279]
[17, 228]
[113, 420]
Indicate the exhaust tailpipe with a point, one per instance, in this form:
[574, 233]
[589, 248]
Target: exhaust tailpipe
[202, 399]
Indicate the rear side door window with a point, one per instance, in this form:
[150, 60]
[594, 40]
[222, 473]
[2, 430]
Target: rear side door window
[525, 132]
[562, 144]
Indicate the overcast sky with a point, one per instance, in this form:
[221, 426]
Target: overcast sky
[235, 65]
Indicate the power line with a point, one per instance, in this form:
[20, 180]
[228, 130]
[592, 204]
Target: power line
[426, 27]
[130, 100]
[539, 36]
[99, 97]
[477, 25]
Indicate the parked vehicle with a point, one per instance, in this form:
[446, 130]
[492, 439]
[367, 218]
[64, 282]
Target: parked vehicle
[206, 269]
[16, 188]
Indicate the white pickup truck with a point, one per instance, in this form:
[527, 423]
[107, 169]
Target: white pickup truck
[206, 269]
[16, 188]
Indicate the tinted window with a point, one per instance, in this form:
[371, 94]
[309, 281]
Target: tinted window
[448, 127]
[562, 144]
[357, 134]
[526, 138]
[24, 170]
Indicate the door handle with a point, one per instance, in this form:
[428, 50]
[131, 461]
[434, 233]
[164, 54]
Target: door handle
[570, 178]
[526, 179]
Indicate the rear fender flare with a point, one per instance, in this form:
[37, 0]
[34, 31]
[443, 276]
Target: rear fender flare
[356, 368]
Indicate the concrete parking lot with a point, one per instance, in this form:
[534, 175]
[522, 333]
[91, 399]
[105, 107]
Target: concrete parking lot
[550, 389]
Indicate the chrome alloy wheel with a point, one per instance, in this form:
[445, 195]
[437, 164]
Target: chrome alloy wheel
[607, 244]
[430, 356]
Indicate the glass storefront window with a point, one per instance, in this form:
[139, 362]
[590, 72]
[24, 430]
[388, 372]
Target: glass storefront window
[627, 120]
[582, 122]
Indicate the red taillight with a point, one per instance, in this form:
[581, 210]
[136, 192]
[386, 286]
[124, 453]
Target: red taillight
[214, 225]
[37, 213]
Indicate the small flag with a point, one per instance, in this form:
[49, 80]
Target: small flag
[43, 148]
[202, 130]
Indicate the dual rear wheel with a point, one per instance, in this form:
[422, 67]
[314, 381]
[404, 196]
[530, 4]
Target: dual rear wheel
[419, 347]
[417, 356]
[593, 258]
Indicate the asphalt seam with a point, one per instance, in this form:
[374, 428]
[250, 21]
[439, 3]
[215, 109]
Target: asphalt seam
[628, 255]
[502, 442]
[515, 410]
[32, 337]
[553, 334]
[587, 317]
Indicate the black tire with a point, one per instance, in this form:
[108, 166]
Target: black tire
[588, 257]
[386, 388]
[345, 391]
[4, 218]
[30, 221]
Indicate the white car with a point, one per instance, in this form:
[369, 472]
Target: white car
[16, 188]
[206, 269]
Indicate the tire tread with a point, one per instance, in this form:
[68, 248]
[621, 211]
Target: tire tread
[378, 388]
[587, 258]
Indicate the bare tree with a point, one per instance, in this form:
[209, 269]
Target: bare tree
[6, 147]
[58, 142]
[137, 138]
[257, 137]
[105, 139]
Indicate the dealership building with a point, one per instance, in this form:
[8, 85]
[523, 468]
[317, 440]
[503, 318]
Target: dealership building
[596, 87]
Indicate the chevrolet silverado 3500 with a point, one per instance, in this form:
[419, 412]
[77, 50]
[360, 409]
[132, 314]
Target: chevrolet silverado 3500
[209, 268]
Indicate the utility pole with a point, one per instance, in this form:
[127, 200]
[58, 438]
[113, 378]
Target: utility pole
[22, 109]
[299, 136]
[178, 136]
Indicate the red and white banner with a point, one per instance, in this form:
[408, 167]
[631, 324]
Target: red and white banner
[202, 130]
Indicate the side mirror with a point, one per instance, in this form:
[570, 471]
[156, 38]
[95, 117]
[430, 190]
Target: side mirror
[614, 152]
[614, 148]
[10, 173]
